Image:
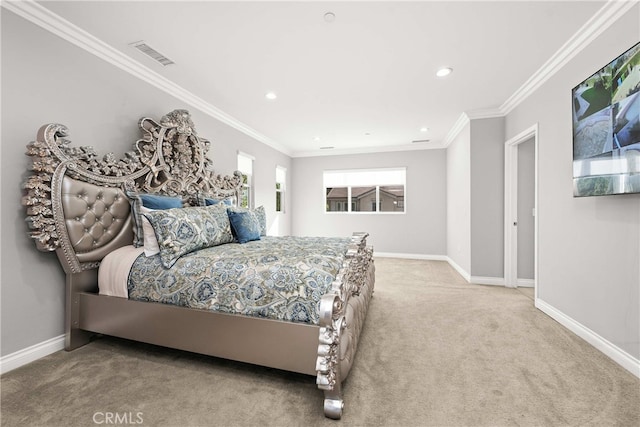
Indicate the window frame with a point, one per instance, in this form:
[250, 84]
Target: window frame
[247, 184]
[281, 189]
[351, 175]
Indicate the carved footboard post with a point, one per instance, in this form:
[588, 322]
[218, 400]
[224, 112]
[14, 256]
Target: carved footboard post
[349, 281]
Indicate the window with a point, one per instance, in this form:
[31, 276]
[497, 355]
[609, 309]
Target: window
[365, 190]
[336, 198]
[245, 165]
[363, 199]
[281, 179]
[391, 198]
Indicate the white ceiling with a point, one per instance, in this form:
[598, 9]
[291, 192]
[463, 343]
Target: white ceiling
[363, 82]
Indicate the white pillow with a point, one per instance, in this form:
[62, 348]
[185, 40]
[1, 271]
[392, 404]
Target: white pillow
[151, 246]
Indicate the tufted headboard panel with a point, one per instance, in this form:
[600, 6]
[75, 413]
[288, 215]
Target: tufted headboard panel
[97, 219]
[76, 202]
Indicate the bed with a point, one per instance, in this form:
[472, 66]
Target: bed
[291, 303]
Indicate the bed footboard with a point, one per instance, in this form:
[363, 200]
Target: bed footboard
[342, 314]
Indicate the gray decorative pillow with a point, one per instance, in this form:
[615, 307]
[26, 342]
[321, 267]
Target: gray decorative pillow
[184, 230]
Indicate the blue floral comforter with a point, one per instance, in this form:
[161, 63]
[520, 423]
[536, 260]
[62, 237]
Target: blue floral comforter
[280, 278]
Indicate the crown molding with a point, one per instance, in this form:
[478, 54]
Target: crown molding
[465, 118]
[606, 16]
[55, 24]
[457, 127]
[596, 25]
[370, 150]
[485, 113]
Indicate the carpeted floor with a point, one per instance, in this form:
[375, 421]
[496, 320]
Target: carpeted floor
[435, 351]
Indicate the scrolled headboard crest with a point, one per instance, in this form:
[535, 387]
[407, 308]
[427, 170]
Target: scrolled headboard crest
[170, 159]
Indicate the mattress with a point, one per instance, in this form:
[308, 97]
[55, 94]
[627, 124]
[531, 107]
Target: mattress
[113, 273]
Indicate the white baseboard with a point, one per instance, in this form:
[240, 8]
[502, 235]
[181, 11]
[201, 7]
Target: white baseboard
[615, 353]
[459, 269]
[526, 283]
[499, 281]
[30, 354]
[480, 280]
[410, 256]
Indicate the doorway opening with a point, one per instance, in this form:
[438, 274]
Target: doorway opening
[512, 252]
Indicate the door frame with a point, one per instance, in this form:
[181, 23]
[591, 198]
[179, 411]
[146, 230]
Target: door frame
[511, 208]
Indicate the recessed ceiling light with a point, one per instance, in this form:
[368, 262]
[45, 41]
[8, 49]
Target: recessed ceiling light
[444, 71]
[424, 129]
[329, 17]
[270, 95]
[316, 138]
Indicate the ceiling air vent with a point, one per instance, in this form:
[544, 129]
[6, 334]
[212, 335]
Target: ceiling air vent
[416, 141]
[151, 52]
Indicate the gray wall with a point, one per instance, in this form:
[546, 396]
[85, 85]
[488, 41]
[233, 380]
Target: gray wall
[420, 231]
[487, 197]
[475, 198]
[459, 199]
[589, 248]
[526, 203]
[44, 80]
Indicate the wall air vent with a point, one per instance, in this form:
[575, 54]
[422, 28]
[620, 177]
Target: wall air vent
[151, 52]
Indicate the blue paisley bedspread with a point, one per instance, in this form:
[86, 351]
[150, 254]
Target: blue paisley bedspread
[280, 278]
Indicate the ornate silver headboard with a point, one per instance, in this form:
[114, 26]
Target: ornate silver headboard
[75, 201]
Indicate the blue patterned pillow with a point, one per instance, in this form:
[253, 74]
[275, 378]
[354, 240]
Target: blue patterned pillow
[151, 201]
[245, 225]
[181, 231]
[259, 213]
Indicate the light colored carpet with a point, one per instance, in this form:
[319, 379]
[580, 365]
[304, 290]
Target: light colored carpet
[435, 351]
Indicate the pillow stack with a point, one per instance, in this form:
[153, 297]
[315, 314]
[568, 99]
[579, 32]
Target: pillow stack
[184, 230]
[163, 226]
